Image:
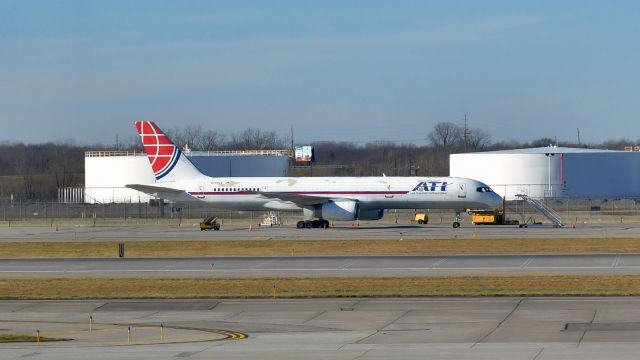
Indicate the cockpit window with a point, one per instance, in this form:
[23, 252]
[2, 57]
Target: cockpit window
[484, 189]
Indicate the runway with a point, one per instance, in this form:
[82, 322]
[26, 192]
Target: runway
[365, 329]
[322, 266]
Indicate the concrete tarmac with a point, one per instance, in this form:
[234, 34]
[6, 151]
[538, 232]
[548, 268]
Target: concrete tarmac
[410, 328]
[344, 231]
[322, 266]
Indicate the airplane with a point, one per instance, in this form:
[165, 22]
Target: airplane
[320, 198]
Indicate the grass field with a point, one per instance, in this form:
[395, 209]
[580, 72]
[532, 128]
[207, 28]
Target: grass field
[319, 247]
[546, 285]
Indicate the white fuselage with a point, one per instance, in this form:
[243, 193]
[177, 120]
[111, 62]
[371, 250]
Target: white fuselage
[244, 193]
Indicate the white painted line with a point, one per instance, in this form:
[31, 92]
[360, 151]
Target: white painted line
[616, 262]
[439, 262]
[527, 262]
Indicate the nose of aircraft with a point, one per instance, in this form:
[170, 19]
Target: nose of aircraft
[495, 200]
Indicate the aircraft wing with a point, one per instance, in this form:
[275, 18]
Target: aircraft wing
[162, 192]
[301, 200]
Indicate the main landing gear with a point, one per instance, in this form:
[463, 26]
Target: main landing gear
[456, 220]
[308, 224]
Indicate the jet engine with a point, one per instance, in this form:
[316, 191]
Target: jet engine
[374, 214]
[340, 210]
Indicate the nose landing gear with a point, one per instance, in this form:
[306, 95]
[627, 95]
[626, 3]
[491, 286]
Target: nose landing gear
[456, 220]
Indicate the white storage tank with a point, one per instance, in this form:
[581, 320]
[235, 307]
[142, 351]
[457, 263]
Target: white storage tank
[553, 172]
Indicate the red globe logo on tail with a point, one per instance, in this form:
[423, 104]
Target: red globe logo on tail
[163, 154]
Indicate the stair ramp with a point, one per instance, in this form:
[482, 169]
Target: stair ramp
[542, 209]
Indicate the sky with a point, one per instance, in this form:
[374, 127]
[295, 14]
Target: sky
[334, 70]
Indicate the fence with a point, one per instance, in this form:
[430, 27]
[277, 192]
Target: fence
[571, 210]
[97, 214]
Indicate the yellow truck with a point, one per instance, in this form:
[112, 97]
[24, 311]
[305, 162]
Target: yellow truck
[491, 218]
[421, 218]
[210, 223]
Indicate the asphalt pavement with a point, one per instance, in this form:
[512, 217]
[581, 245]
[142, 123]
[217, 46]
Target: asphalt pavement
[322, 266]
[342, 231]
[409, 328]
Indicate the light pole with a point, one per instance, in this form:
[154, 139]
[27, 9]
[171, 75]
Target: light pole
[549, 155]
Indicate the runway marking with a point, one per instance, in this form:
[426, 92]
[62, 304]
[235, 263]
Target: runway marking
[527, 262]
[229, 334]
[515, 308]
[538, 354]
[439, 262]
[616, 262]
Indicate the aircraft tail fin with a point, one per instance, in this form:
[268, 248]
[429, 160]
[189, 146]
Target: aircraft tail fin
[167, 161]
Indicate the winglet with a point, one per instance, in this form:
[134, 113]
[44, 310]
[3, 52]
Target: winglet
[167, 161]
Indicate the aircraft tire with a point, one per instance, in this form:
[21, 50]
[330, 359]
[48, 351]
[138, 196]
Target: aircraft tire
[456, 225]
[300, 225]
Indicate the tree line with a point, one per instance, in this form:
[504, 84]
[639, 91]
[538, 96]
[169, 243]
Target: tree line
[196, 137]
[36, 171]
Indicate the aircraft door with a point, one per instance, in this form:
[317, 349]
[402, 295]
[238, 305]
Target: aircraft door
[201, 189]
[462, 191]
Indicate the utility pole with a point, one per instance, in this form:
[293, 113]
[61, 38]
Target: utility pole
[292, 154]
[579, 143]
[465, 135]
[292, 148]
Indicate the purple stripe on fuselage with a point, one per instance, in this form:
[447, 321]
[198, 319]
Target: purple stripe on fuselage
[303, 193]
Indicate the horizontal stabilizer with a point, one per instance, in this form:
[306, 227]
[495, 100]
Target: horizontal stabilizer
[162, 192]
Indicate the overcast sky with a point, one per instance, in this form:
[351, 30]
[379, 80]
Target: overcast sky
[335, 70]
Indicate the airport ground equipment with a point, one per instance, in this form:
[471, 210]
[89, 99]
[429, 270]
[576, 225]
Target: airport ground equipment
[421, 218]
[494, 217]
[541, 208]
[270, 219]
[487, 218]
[210, 223]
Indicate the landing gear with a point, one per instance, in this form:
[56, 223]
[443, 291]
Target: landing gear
[456, 220]
[312, 224]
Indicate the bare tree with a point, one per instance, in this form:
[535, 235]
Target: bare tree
[209, 140]
[256, 139]
[542, 142]
[65, 164]
[619, 144]
[478, 139]
[445, 135]
[132, 142]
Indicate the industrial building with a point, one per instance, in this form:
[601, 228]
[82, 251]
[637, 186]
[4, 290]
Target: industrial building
[550, 172]
[107, 172]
